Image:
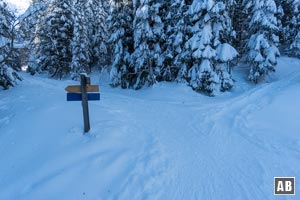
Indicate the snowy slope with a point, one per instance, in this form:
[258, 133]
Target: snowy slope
[165, 142]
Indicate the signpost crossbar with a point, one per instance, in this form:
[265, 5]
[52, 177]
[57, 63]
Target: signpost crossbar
[78, 96]
[77, 88]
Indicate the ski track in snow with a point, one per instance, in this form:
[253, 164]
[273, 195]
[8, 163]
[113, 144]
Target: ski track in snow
[142, 146]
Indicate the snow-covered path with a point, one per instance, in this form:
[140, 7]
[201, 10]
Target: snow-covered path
[165, 142]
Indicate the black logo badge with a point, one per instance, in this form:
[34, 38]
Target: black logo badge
[284, 186]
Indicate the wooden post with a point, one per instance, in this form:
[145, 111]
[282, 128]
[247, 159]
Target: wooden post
[85, 106]
[88, 80]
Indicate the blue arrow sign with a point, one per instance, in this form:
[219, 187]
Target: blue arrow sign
[78, 96]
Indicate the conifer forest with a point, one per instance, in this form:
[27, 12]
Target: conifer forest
[142, 42]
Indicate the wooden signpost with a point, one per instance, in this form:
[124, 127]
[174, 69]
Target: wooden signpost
[83, 93]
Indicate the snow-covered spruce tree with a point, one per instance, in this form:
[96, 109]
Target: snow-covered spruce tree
[280, 16]
[225, 52]
[173, 68]
[54, 38]
[120, 23]
[148, 34]
[288, 32]
[8, 67]
[295, 23]
[30, 23]
[240, 22]
[29, 20]
[263, 51]
[295, 46]
[184, 58]
[208, 50]
[200, 36]
[290, 22]
[81, 54]
[96, 13]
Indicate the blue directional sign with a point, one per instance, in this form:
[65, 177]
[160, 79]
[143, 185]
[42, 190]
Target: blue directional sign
[78, 96]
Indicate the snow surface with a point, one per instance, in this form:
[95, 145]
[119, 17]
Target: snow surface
[165, 142]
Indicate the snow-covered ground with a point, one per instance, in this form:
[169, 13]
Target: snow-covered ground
[165, 142]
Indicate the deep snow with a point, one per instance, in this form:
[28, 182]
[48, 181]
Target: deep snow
[165, 142]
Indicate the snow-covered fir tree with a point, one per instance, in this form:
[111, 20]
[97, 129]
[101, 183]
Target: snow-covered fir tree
[208, 52]
[286, 20]
[263, 51]
[173, 67]
[148, 35]
[120, 25]
[295, 24]
[280, 17]
[295, 46]
[183, 59]
[55, 33]
[223, 37]
[29, 20]
[8, 67]
[96, 13]
[30, 24]
[81, 53]
[240, 22]
[201, 36]
[290, 25]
